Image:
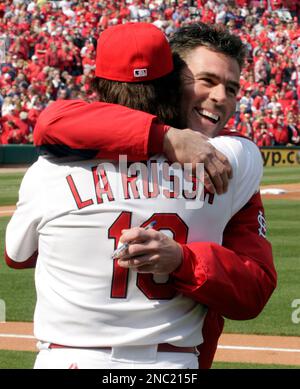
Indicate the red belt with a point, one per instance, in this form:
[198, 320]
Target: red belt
[162, 347]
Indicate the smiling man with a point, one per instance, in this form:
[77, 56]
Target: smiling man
[209, 97]
[210, 62]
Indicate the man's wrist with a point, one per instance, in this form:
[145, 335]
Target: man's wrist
[170, 143]
[156, 138]
[183, 270]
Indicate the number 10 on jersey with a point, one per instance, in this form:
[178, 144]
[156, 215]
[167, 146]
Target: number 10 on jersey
[145, 282]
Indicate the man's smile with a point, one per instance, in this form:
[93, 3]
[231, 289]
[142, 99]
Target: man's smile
[214, 118]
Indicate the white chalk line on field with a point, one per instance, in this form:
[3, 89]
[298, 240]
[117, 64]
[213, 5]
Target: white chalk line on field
[7, 211]
[222, 347]
[17, 336]
[256, 348]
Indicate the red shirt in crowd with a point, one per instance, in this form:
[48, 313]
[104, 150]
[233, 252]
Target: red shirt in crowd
[14, 130]
[281, 134]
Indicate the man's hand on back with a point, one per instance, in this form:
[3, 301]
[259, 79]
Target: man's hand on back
[188, 146]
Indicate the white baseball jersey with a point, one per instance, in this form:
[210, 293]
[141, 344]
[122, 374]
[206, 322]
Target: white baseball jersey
[73, 214]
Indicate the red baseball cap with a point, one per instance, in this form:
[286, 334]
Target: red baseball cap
[133, 52]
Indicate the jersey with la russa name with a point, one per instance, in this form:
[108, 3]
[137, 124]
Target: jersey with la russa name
[74, 212]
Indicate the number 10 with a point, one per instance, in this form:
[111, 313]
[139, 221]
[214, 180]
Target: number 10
[145, 282]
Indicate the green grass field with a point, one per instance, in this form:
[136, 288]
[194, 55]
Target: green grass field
[228, 365]
[281, 175]
[16, 359]
[9, 187]
[17, 287]
[283, 231]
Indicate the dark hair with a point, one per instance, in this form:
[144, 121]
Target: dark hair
[158, 97]
[214, 37]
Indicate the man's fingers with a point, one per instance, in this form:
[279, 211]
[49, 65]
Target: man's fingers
[139, 245]
[137, 249]
[218, 175]
[225, 181]
[217, 181]
[137, 234]
[223, 175]
[224, 160]
[208, 183]
[137, 262]
[188, 146]
[143, 264]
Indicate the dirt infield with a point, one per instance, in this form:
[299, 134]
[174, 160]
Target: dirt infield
[7, 210]
[277, 350]
[13, 168]
[281, 350]
[17, 336]
[292, 191]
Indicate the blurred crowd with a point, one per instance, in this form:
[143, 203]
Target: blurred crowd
[47, 52]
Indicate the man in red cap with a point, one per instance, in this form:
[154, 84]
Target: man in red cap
[174, 221]
[91, 316]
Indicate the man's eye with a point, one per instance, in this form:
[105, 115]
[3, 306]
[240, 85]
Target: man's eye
[232, 91]
[207, 80]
